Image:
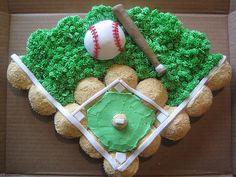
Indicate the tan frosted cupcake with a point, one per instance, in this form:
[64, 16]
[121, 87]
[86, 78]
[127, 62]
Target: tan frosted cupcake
[153, 147]
[201, 103]
[39, 102]
[87, 88]
[179, 127]
[129, 172]
[88, 148]
[17, 77]
[220, 77]
[126, 73]
[64, 127]
[153, 89]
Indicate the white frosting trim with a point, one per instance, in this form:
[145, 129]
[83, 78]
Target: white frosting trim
[79, 115]
[120, 157]
[161, 117]
[91, 139]
[145, 98]
[166, 122]
[96, 95]
[115, 83]
[70, 117]
[160, 68]
[119, 87]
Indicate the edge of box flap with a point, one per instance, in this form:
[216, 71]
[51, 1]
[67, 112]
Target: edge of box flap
[232, 46]
[181, 6]
[232, 5]
[21, 175]
[4, 40]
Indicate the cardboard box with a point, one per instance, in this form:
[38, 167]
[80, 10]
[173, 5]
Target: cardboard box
[29, 144]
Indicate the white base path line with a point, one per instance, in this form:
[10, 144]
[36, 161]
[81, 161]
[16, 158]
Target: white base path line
[95, 144]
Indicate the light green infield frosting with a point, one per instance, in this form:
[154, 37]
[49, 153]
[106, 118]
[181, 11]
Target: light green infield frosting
[100, 115]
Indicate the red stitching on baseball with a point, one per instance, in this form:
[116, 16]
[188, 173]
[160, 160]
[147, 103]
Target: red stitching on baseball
[116, 36]
[94, 33]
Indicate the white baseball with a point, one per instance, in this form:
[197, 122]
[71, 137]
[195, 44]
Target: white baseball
[104, 40]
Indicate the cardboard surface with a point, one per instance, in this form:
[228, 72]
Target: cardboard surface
[232, 47]
[181, 6]
[4, 5]
[4, 33]
[232, 5]
[33, 147]
[16, 175]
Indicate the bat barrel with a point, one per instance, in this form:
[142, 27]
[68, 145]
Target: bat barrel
[135, 34]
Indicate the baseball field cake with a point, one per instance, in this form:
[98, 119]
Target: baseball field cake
[120, 80]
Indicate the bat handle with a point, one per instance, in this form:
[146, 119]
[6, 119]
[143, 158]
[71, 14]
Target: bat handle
[135, 34]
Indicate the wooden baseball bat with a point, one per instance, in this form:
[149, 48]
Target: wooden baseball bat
[134, 32]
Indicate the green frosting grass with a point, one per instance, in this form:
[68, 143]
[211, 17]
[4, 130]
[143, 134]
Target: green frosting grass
[100, 116]
[59, 59]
